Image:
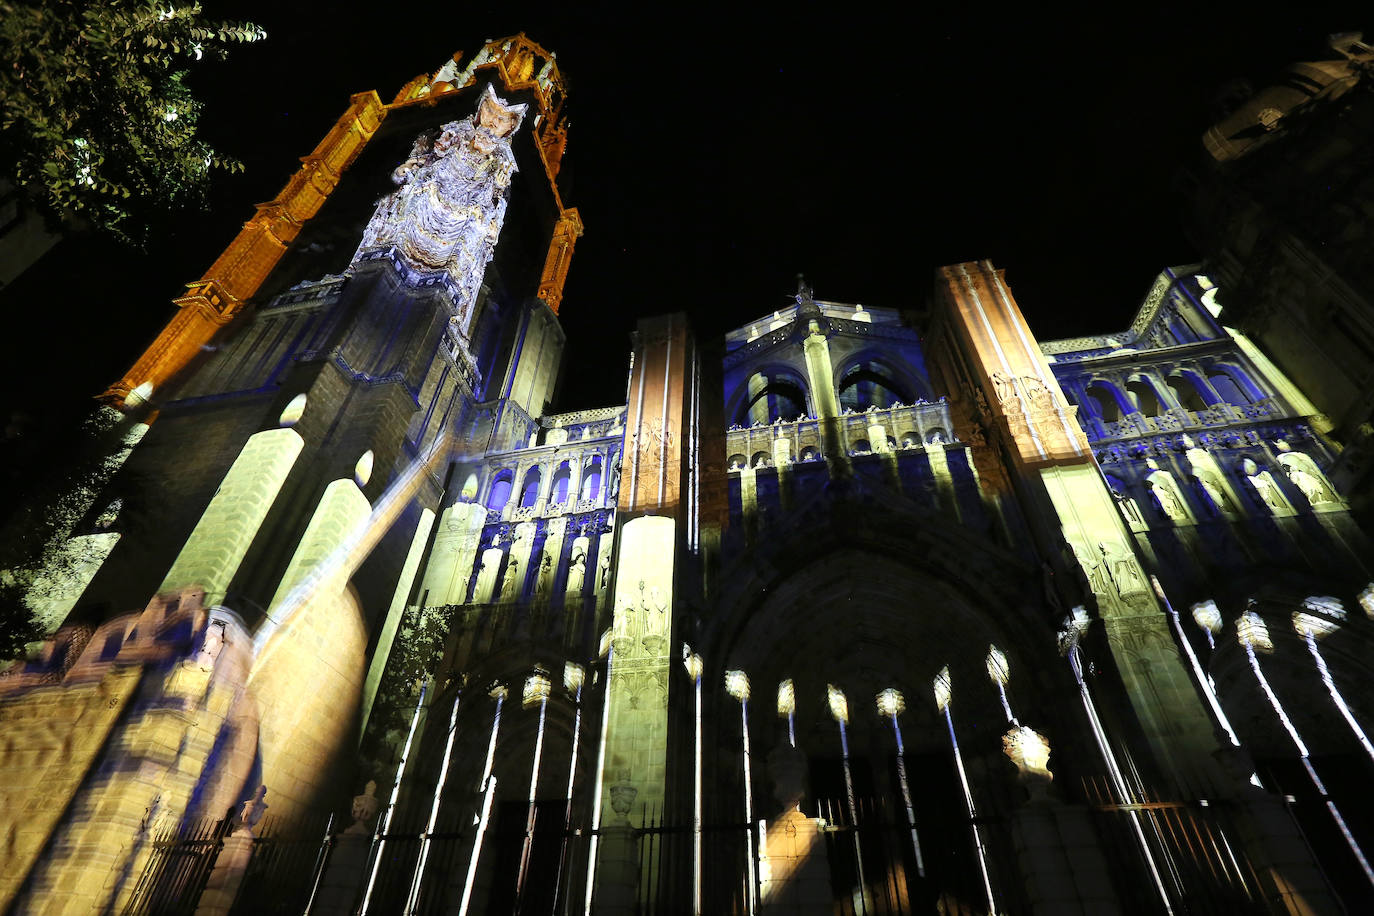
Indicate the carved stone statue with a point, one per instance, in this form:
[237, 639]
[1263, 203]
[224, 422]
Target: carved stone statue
[605, 573]
[1167, 500]
[1123, 570]
[1310, 486]
[450, 206]
[1265, 491]
[365, 808]
[577, 571]
[654, 620]
[510, 580]
[1128, 508]
[1096, 580]
[1213, 492]
[251, 812]
[544, 581]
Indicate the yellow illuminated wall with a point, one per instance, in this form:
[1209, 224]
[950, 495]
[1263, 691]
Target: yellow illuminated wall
[220, 539]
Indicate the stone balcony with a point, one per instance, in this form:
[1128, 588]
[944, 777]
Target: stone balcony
[907, 426]
[1215, 417]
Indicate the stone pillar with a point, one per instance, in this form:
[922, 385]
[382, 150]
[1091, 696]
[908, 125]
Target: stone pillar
[651, 521]
[821, 376]
[345, 873]
[794, 873]
[223, 884]
[782, 461]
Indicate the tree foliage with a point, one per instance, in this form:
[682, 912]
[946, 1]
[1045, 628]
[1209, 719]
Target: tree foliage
[97, 122]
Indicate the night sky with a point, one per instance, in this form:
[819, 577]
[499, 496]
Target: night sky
[716, 154]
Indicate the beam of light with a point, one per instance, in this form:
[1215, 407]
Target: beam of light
[537, 690]
[1254, 635]
[891, 703]
[384, 822]
[1204, 680]
[787, 706]
[1366, 599]
[839, 709]
[1310, 636]
[354, 547]
[413, 901]
[1000, 672]
[600, 773]
[1118, 780]
[482, 820]
[694, 667]
[944, 695]
[573, 676]
[737, 685]
[488, 784]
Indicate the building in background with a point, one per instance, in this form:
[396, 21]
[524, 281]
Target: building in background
[852, 610]
[1283, 207]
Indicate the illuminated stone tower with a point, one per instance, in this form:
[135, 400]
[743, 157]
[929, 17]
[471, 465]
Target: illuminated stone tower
[395, 305]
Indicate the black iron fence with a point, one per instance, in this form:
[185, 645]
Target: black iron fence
[279, 876]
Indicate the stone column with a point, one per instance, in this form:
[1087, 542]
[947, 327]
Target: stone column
[794, 873]
[821, 376]
[651, 503]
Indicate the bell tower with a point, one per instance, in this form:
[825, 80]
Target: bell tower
[396, 305]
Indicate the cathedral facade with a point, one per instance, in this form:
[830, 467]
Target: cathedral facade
[857, 610]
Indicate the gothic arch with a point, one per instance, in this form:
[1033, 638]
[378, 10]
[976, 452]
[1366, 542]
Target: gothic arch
[1233, 384]
[1189, 390]
[868, 379]
[1144, 394]
[1107, 401]
[772, 391]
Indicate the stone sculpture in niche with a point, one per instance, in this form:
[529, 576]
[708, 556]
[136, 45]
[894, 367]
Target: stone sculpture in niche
[448, 211]
[509, 581]
[1164, 497]
[545, 579]
[577, 571]
[1310, 486]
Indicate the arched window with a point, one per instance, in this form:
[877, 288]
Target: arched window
[1186, 392]
[772, 394]
[1143, 394]
[529, 491]
[1103, 400]
[1231, 386]
[870, 384]
[500, 490]
[558, 488]
[591, 479]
